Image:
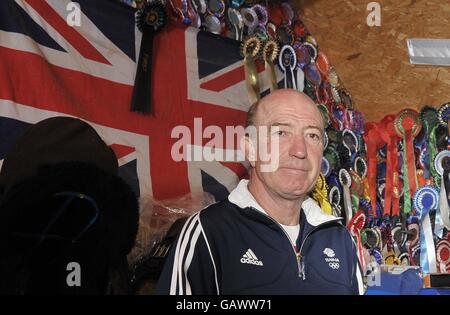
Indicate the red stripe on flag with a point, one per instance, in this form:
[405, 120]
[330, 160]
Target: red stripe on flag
[121, 150]
[30, 80]
[26, 78]
[81, 44]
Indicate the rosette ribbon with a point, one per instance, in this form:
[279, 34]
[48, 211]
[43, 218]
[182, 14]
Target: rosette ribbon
[392, 192]
[355, 227]
[270, 53]
[426, 199]
[235, 19]
[249, 50]
[432, 154]
[150, 19]
[250, 19]
[443, 254]
[374, 142]
[444, 119]
[429, 118]
[413, 239]
[399, 238]
[287, 62]
[442, 166]
[288, 13]
[407, 125]
[346, 181]
[320, 194]
[216, 8]
[335, 198]
[262, 15]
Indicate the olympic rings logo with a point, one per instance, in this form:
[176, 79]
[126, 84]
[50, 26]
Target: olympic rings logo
[334, 265]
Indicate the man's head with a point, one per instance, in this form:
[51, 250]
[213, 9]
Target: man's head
[296, 124]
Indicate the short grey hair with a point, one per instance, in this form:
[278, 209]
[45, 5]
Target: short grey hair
[251, 114]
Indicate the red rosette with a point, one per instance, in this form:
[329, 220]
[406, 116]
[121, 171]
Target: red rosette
[413, 238]
[408, 120]
[408, 125]
[355, 227]
[323, 64]
[276, 15]
[357, 223]
[299, 29]
[374, 142]
[443, 254]
[392, 192]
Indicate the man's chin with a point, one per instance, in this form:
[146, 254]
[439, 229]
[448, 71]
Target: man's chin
[294, 194]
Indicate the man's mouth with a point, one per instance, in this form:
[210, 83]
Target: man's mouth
[295, 169]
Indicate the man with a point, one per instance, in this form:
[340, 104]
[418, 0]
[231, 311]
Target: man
[269, 237]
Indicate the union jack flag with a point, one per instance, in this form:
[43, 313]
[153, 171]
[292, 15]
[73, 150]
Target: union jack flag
[49, 68]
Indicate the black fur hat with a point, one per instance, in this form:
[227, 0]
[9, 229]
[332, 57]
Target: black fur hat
[64, 208]
[55, 140]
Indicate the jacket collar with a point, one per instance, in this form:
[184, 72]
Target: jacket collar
[242, 198]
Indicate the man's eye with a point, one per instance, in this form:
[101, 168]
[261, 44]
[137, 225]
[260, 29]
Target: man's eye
[315, 137]
[280, 133]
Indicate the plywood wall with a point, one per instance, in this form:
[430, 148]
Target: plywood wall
[373, 62]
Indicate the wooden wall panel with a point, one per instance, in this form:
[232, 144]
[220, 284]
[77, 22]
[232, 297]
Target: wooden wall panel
[373, 62]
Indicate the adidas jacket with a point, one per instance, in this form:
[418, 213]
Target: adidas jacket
[233, 247]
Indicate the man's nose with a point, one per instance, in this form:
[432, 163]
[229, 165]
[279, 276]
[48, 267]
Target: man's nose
[298, 147]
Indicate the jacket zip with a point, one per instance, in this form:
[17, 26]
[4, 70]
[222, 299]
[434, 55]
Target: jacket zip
[298, 255]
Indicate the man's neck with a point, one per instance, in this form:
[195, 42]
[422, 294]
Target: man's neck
[286, 212]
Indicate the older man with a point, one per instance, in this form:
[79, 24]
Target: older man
[269, 236]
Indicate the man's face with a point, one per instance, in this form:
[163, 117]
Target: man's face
[295, 123]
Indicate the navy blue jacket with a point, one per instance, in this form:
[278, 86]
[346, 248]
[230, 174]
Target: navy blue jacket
[227, 249]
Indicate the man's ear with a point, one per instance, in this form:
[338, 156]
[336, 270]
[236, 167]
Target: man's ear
[249, 149]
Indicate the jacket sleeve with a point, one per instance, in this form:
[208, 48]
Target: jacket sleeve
[357, 276]
[189, 268]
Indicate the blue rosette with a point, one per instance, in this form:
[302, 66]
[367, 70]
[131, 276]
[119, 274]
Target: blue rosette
[425, 199]
[326, 169]
[287, 61]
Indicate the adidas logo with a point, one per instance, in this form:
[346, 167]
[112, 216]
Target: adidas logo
[250, 258]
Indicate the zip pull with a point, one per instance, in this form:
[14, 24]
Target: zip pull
[303, 271]
[301, 266]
